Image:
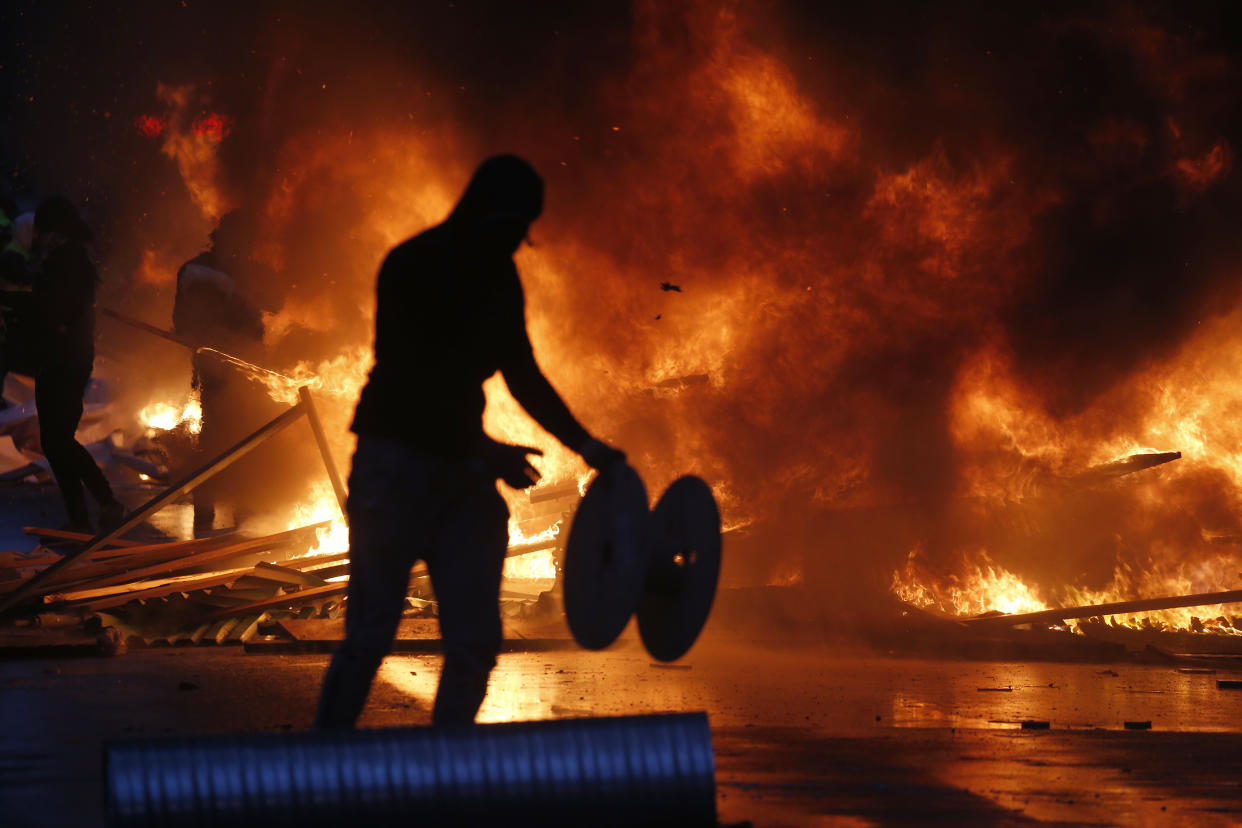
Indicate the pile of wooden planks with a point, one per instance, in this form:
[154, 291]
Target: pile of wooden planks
[217, 588]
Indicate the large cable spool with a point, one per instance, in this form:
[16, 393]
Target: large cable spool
[633, 770]
[622, 559]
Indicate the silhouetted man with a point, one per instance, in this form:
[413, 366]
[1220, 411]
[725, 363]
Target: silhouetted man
[450, 314]
[64, 281]
[211, 308]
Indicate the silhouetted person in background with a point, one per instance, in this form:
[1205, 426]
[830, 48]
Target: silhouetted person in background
[16, 314]
[450, 313]
[212, 308]
[64, 281]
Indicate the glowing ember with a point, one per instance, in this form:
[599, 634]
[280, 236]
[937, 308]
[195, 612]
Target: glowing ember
[149, 126]
[213, 126]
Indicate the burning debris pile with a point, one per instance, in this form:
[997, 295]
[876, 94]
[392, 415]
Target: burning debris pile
[227, 586]
[991, 610]
[210, 589]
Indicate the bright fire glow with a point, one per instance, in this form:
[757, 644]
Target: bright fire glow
[537, 565]
[979, 586]
[320, 506]
[762, 376]
[164, 416]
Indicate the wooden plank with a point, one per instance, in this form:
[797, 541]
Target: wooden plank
[104, 573]
[331, 571]
[289, 599]
[285, 575]
[325, 451]
[185, 485]
[556, 491]
[527, 548]
[1129, 465]
[209, 600]
[142, 590]
[227, 625]
[246, 547]
[1115, 608]
[247, 628]
[151, 329]
[65, 534]
[198, 634]
[17, 560]
[314, 561]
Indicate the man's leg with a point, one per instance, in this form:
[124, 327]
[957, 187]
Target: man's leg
[465, 571]
[59, 411]
[385, 490]
[379, 572]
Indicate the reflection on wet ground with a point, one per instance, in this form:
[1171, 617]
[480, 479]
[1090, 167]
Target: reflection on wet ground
[803, 736]
[741, 684]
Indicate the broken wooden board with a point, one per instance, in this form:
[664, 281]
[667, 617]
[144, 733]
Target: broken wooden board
[143, 562]
[77, 537]
[1054, 616]
[285, 601]
[112, 596]
[212, 556]
[269, 576]
[1129, 465]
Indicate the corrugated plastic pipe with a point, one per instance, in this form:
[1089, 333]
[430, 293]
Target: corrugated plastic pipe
[632, 770]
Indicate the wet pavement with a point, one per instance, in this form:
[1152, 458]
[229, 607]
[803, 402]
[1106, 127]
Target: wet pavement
[803, 736]
[811, 734]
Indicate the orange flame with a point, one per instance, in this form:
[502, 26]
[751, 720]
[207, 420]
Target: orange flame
[980, 586]
[164, 416]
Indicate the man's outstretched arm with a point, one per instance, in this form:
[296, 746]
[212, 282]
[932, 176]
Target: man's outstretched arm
[535, 394]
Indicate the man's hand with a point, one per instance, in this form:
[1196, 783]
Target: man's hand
[600, 456]
[509, 463]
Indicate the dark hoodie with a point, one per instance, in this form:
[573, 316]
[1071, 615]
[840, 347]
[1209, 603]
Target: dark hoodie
[64, 289]
[450, 312]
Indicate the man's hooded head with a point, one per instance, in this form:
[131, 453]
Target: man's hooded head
[502, 199]
[232, 237]
[56, 214]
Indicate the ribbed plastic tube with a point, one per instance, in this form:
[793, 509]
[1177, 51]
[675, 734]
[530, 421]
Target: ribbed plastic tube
[632, 770]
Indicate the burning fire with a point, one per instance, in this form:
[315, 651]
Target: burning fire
[854, 293]
[978, 587]
[164, 416]
[538, 565]
[322, 506]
